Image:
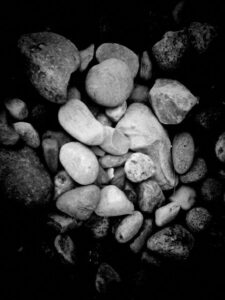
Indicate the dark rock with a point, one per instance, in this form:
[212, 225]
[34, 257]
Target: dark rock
[23, 178]
[212, 190]
[198, 219]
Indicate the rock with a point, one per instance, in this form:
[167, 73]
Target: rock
[130, 192]
[147, 135]
[8, 136]
[80, 202]
[97, 151]
[196, 173]
[109, 83]
[78, 121]
[98, 226]
[185, 197]
[116, 113]
[62, 223]
[17, 108]
[183, 151]
[115, 142]
[198, 219]
[113, 50]
[113, 203]
[166, 214]
[212, 190]
[178, 11]
[61, 137]
[50, 149]
[170, 51]
[119, 178]
[106, 279]
[27, 133]
[65, 248]
[112, 161]
[50, 60]
[63, 183]
[139, 167]
[150, 259]
[129, 227]
[171, 101]
[173, 242]
[139, 94]
[201, 36]
[23, 178]
[150, 196]
[103, 177]
[73, 93]
[145, 71]
[79, 162]
[104, 120]
[139, 242]
[110, 173]
[86, 57]
[211, 117]
[220, 148]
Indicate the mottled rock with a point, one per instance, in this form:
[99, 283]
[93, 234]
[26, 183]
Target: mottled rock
[23, 178]
[130, 192]
[17, 108]
[98, 226]
[113, 202]
[197, 171]
[65, 248]
[183, 150]
[106, 279]
[171, 101]
[113, 50]
[170, 51]
[79, 162]
[173, 242]
[50, 60]
[147, 135]
[212, 190]
[139, 167]
[198, 219]
[150, 196]
[80, 202]
[129, 227]
[109, 83]
[220, 148]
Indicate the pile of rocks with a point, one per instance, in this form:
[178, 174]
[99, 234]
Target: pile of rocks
[121, 165]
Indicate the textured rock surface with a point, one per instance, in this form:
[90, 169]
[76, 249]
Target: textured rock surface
[23, 178]
[50, 59]
[171, 101]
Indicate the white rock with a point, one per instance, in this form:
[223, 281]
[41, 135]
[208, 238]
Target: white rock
[79, 162]
[113, 202]
[167, 213]
[115, 114]
[185, 196]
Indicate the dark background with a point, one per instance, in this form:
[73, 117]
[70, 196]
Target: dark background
[29, 274]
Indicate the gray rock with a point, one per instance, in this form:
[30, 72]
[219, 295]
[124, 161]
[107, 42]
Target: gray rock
[119, 178]
[23, 178]
[98, 226]
[8, 135]
[196, 173]
[212, 190]
[50, 60]
[65, 248]
[198, 219]
[174, 242]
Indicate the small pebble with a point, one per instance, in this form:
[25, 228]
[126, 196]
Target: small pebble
[145, 72]
[106, 279]
[112, 161]
[185, 197]
[150, 259]
[139, 94]
[80, 202]
[150, 196]
[98, 226]
[60, 136]
[212, 190]
[166, 214]
[113, 202]
[110, 173]
[129, 227]
[73, 93]
[220, 148]
[62, 223]
[27, 133]
[62, 183]
[183, 150]
[86, 57]
[139, 167]
[211, 117]
[8, 135]
[139, 242]
[79, 162]
[171, 101]
[103, 177]
[196, 173]
[17, 108]
[130, 192]
[198, 219]
[116, 113]
[119, 178]
[65, 248]
[97, 151]
[50, 149]
[104, 120]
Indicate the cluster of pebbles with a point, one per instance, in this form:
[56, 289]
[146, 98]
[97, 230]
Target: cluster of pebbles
[121, 167]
